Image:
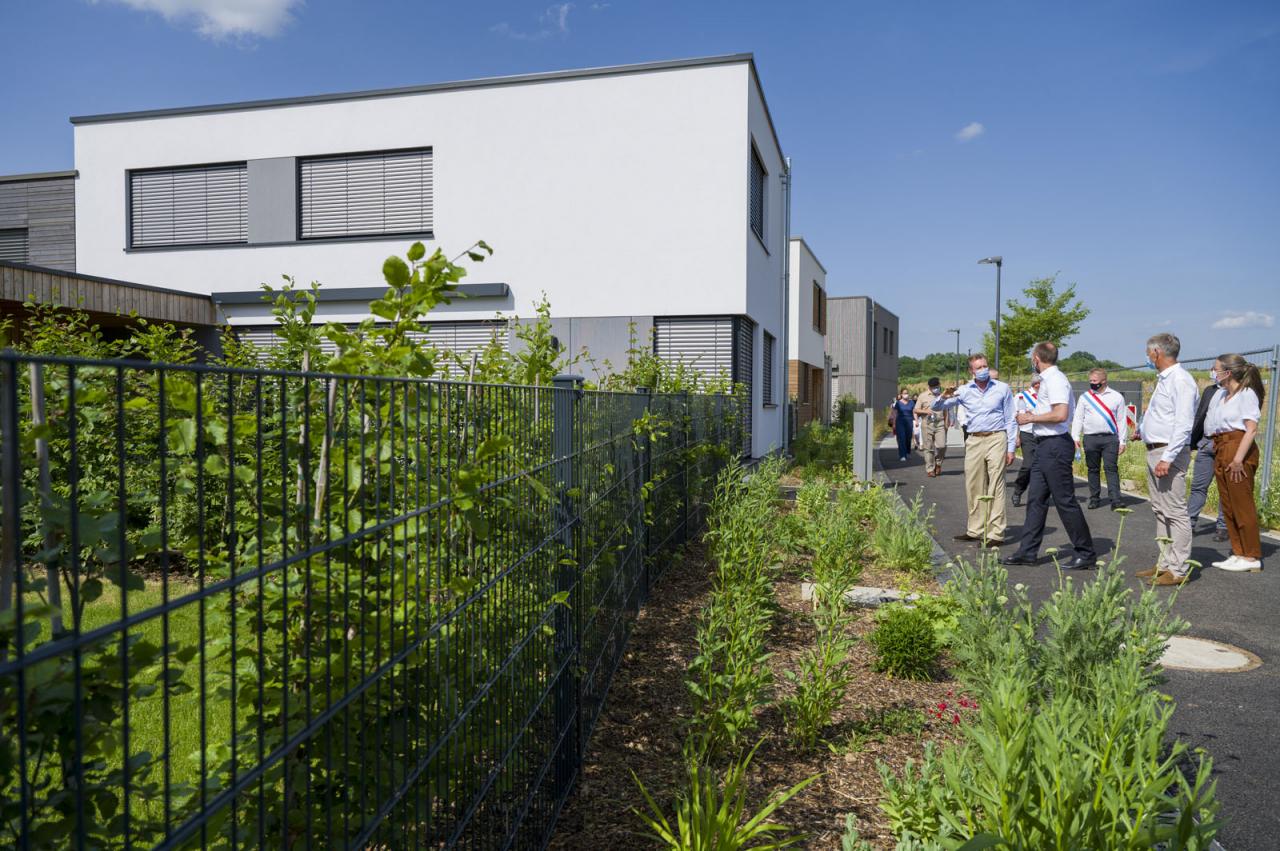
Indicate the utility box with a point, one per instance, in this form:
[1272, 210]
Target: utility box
[863, 444]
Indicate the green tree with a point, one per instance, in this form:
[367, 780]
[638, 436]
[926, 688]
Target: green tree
[1046, 315]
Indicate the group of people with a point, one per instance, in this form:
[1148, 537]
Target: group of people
[1051, 425]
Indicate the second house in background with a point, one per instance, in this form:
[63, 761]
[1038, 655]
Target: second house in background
[809, 369]
[862, 340]
[647, 196]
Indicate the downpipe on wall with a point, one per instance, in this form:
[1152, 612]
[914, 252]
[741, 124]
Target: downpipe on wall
[786, 305]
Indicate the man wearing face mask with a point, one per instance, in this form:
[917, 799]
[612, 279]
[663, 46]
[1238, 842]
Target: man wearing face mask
[933, 428]
[1099, 428]
[1051, 472]
[988, 448]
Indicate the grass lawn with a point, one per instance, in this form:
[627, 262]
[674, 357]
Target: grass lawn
[147, 715]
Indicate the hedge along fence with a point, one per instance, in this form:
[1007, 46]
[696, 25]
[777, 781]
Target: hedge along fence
[273, 608]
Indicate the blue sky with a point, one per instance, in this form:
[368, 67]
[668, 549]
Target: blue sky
[1132, 147]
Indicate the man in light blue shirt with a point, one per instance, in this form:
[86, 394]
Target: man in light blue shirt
[988, 448]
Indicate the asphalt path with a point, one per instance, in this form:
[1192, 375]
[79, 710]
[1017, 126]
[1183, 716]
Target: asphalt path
[1234, 716]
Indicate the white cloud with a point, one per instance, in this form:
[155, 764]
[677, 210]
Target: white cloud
[218, 19]
[554, 21]
[970, 131]
[1244, 319]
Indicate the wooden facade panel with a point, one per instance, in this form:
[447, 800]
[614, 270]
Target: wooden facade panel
[46, 208]
[18, 284]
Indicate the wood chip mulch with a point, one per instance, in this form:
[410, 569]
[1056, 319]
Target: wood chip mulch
[647, 713]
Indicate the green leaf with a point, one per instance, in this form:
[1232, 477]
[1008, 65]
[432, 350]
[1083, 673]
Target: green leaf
[91, 589]
[396, 272]
[417, 251]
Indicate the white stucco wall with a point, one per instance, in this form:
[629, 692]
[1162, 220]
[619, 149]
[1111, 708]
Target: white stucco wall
[765, 262]
[805, 342]
[615, 195]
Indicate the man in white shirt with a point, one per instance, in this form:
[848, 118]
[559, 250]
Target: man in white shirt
[1051, 472]
[1165, 429]
[1101, 430]
[1027, 400]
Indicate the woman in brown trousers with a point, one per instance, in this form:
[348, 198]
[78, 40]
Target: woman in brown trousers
[1232, 421]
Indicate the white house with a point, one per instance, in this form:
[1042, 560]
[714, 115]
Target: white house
[649, 195]
[808, 369]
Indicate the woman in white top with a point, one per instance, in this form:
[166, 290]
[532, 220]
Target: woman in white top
[1232, 421]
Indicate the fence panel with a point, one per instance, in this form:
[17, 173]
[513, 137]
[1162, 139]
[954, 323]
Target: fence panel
[253, 608]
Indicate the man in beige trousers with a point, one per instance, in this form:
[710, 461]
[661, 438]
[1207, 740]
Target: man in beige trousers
[988, 448]
[933, 427]
[1165, 429]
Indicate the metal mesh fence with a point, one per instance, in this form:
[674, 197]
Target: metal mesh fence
[253, 608]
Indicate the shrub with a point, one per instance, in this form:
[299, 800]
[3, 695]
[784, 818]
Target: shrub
[901, 539]
[905, 643]
[1068, 748]
[818, 447]
[711, 817]
[943, 613]
[822, 678]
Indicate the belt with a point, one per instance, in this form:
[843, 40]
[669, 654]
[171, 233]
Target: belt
[1223, 435]
[984, 433]
[1151, 446]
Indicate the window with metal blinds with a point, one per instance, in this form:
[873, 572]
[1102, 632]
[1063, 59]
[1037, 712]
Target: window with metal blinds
[13, 245]
[757, 180]
[767, 389]
[197, 205]
[366, 194]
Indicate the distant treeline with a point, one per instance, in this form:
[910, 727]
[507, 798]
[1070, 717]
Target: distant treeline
[943, 364]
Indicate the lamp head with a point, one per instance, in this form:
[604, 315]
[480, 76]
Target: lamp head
[997, 260]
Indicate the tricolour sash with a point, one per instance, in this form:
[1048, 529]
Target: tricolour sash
[1029, 399]
[1101, 407]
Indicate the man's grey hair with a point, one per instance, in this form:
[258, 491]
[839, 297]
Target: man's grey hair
[1097, 370]
[1167, 344]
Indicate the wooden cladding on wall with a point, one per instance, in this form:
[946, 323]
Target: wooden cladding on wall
[46, 209]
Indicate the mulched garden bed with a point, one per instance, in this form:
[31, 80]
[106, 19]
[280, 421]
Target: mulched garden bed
[646, 717]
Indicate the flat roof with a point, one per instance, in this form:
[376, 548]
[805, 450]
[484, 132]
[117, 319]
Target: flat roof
[37, 175]
[483, 82]
[795, 237]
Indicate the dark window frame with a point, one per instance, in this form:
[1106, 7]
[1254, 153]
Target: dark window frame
[768, 375]
[169, 246]
[298, 162]
[758, 176]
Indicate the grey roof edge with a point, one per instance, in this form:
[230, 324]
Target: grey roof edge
[483, 82]
[795, 237]
[65, 273]
[37, 175]
[489, 290]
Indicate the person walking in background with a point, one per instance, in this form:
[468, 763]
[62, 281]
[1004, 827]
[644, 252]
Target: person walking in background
[901, 418]
[988, 448]
[1027, 400]
[1232, 423]
[1202, 468]
[1165, 430]
[933, 428]
[1099, 427]
[1051, 476]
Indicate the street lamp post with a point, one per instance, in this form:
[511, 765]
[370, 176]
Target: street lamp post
[998, 261]
[956, 331]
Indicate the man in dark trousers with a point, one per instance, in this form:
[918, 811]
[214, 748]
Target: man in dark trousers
[1027, 399]
[1051, 476]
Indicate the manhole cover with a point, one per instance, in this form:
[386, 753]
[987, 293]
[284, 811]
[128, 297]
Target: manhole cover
[1201, 654]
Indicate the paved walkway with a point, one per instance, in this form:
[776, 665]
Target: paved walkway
[1236, 717]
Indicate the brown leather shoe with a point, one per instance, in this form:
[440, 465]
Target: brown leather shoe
[1168, 578]
[1149, 572]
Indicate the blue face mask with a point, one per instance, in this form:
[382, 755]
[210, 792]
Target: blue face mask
[937, 391]
[1149, 364]
[982, 374]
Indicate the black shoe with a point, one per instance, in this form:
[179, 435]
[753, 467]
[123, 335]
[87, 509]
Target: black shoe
[1017, 498]
[1018, 559]
[996, 542]
[1220, 535]
[966, 537]
[1079, 563]
[1094, 503]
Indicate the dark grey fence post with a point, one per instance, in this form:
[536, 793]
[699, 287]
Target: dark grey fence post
[566, 445]
[11, 480]
[686, 421]
[643, 475]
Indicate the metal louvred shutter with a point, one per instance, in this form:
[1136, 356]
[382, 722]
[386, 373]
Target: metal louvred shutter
[462, 338]
[757, 178]
[366, 194]
[189, 206]
[265, 338]
[705, 344]
[744, 362]
[767, 370]
[13, 245]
